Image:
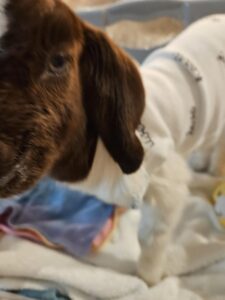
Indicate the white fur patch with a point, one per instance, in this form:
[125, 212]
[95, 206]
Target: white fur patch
[107, 182]
[3, 18]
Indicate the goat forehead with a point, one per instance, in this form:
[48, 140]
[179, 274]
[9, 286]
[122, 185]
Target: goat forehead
[3, 17]
[25, 16]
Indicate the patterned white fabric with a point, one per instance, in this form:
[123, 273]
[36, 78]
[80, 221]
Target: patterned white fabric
[185, 90]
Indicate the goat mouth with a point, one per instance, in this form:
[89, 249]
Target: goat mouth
[19, 170]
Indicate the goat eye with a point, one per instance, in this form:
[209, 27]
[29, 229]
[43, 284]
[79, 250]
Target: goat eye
[57, 63]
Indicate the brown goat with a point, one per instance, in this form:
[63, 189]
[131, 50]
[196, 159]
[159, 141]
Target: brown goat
[63, 84]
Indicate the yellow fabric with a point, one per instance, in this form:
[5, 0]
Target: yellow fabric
[218, 192]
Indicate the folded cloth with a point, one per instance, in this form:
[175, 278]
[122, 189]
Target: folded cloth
[58, 217]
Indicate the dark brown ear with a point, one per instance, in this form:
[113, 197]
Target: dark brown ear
[113, 96]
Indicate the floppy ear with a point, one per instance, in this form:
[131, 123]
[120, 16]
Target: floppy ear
[113, 97]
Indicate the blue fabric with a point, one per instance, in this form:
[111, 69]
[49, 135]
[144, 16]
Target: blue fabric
[64, 216]
[50, 294]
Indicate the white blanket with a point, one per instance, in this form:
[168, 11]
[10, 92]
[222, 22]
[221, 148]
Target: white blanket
[197, 257]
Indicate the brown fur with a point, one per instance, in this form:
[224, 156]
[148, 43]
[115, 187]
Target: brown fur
[50, 122]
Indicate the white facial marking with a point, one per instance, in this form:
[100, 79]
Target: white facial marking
[3, 18]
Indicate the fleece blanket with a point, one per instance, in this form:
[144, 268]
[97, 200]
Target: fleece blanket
[58, 217]
[197, 253]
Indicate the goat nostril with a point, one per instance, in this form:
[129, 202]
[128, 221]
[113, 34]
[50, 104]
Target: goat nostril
[4, 150]
[7, 156]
